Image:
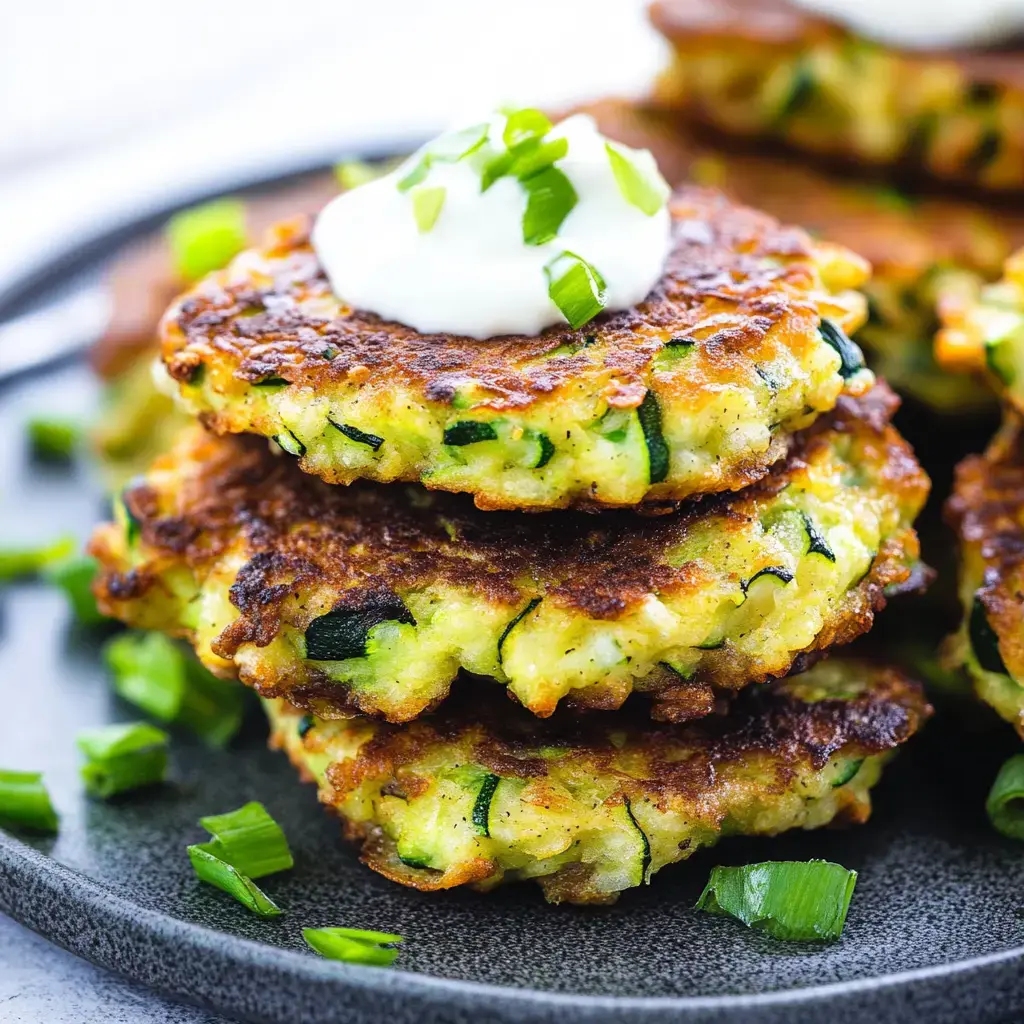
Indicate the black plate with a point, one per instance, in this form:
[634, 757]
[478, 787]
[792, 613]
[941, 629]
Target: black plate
[935, 928]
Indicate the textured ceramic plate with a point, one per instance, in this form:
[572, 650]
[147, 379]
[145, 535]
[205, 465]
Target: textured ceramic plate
[935, 929]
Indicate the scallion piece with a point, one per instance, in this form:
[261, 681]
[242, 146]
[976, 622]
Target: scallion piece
[353, 945]
[645, 190]
[24, 801]
[1005, 803]
[16, 563]
[52, 439]
[75, 577]
[575, 287]
[446, 149]
[205, 237]
[797, 900]
[351, 174]
[550, 198]
[123, 757]
[524, 125]
[155, 674]
[426, 207]
[249, 840]
[210, 868]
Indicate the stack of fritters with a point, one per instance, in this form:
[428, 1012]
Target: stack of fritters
[688, 500]
[773, 74]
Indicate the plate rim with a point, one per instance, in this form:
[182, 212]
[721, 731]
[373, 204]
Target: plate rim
[26, 869]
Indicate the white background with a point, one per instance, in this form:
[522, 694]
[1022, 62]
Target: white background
[108, 106]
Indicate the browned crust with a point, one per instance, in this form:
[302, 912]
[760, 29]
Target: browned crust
[897, 239]
[369, 540]
[670, 765]
[987, 511]
[143, 282]
[778, 23]
[722, 254]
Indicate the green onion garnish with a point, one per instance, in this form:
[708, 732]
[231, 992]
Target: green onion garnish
[123, 757]
[576, 288]
[531, 159]
[351, 174]
[646, 191]
[446, 149]
[426, 207]
[523, 125]
[354, 946]
[798, 900]
[206, 237]
[16, 563]
[249, 840]
[155, 674]
[53, 439]
[75, 577]
[1005, 803]
[24, 801]
[550, 198]
[210, 868]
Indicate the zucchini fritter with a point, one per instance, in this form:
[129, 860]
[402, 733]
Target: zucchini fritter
[771, 69]
[983, 332]
[484, 795]
[922, 250]
[371, 598]
[987, 511]
[137, 421]
[697, 390]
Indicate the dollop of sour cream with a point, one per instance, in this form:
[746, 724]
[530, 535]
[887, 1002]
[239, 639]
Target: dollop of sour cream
[926, 24]
[503, 227]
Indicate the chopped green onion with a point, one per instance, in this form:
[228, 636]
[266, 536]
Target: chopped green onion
[210, 868]
[123, 757]
[351, 174]
[426, 207]
[797, 900]
[446, 149]
[75, 577]
[1005, 803]
[576, 288]
[354, 946]
[530, 160]
[550, 198]
[524, 125]
[16, 563]
[646, 191]
[155, 674]
[416, 175]
[249, 840]
[205, 237]
[53, 439]
[24, 801]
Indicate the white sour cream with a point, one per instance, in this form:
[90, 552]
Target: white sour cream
[926, 24]
[471, 273]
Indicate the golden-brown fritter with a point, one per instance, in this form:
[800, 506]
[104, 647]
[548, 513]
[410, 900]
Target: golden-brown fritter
[987, 511]
[371, 598]
[769, 68]
[696, 390]
[924, 252]
[483, 794]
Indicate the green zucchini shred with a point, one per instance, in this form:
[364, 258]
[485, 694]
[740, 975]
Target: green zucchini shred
[357, 435]
[344, 632]
[469, 432]
[649, 414]
[531, 604]
[984, 640]
[850, 356]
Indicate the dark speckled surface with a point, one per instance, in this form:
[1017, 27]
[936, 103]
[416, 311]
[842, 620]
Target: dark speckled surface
[937, 888]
